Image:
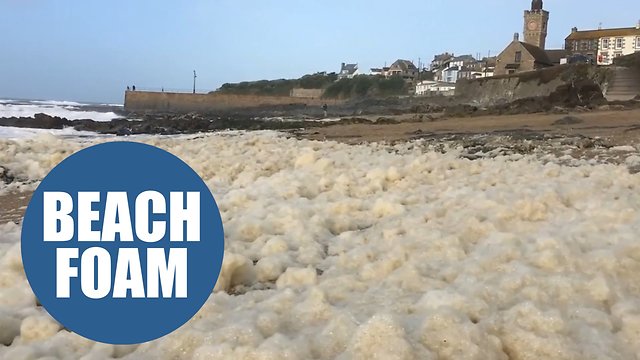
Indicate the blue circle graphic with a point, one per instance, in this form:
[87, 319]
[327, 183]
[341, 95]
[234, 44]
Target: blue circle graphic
[95, 181]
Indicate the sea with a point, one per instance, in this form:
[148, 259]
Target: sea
[71, 110]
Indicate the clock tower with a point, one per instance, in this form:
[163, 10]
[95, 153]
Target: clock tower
[535, 24]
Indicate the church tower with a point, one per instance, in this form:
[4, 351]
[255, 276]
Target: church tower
[535, 24]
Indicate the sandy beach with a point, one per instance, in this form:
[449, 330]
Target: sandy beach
[610, 129]
[466, 238]
[615, 127]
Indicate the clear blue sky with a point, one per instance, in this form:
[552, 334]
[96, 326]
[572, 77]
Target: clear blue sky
[91, 50]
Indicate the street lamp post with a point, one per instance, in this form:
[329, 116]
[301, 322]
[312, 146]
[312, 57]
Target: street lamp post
[194, 81]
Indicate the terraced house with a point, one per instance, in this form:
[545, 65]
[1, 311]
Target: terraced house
[603, 45]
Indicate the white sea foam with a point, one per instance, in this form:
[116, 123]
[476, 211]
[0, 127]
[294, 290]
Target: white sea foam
[14, 133]
[71, 112]
[381, 252]
[57, 102]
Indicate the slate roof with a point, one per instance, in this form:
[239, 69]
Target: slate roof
[539, 55]
[404, 65]
[348, 68]
[596, 34]
[555, 55]
[442, 57]
[465, 58]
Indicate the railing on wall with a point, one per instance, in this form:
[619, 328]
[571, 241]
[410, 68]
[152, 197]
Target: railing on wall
[170, 90]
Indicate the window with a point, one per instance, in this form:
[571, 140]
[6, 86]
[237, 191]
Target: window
[619, 43]
[605, 43]
[518, 56]
[638, 42]
[512, 71]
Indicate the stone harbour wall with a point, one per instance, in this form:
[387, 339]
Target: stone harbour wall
[147, 101]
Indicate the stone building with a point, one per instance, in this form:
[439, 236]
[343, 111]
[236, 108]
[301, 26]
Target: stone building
[536, 21]
[403, 68]
[529, 55]
[604, 45]
[521, 56]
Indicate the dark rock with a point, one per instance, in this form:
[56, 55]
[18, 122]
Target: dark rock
[5, 177]
[559, 110]
[386, 121]
[123, 132]
[38, 121]
[568, 120]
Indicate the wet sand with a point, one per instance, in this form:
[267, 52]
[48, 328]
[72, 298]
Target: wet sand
[614, 127]
[13, 206]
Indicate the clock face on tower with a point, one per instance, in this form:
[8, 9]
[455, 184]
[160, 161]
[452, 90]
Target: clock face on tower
[532, 25]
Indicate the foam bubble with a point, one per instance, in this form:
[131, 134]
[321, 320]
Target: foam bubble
[378, 251]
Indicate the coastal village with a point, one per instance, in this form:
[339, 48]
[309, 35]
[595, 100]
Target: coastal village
[600, 46]
[586, 70]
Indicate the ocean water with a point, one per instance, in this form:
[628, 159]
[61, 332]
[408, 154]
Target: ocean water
[66, 109]
[377, 252]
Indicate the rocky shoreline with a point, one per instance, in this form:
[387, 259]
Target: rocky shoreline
[580, 97]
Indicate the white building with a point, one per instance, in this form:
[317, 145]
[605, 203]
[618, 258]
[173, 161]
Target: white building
[428, 87]
[618, 42]
[348, 71]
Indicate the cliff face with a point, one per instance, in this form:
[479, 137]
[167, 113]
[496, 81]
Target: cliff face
[573, 84]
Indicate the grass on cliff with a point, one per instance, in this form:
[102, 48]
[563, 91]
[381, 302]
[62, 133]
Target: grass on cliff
[366, 85]
[281, 87]
[359, 86]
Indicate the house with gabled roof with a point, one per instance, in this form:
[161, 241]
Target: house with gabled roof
[529, 55]
[604, 45]
[348, 71]
[403, 68]
[439, 61]
[379, 71]
[520, 56]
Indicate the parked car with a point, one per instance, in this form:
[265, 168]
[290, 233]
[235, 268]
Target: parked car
[580, 59]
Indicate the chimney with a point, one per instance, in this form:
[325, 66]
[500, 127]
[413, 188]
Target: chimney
[574, 29]
[638, 25]
[516, 37]
[599, 26]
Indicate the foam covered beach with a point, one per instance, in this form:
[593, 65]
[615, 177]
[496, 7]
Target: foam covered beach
[376, 251]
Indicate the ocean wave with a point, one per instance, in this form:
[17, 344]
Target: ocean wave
[70, 112]
[14, 133]
[56, 102]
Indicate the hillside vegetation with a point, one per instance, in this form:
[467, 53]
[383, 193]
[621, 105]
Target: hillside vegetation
[280, 87]
[359, 86]
[366, 85]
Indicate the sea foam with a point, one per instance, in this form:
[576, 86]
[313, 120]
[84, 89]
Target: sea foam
[376, 251]
[64, 109]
